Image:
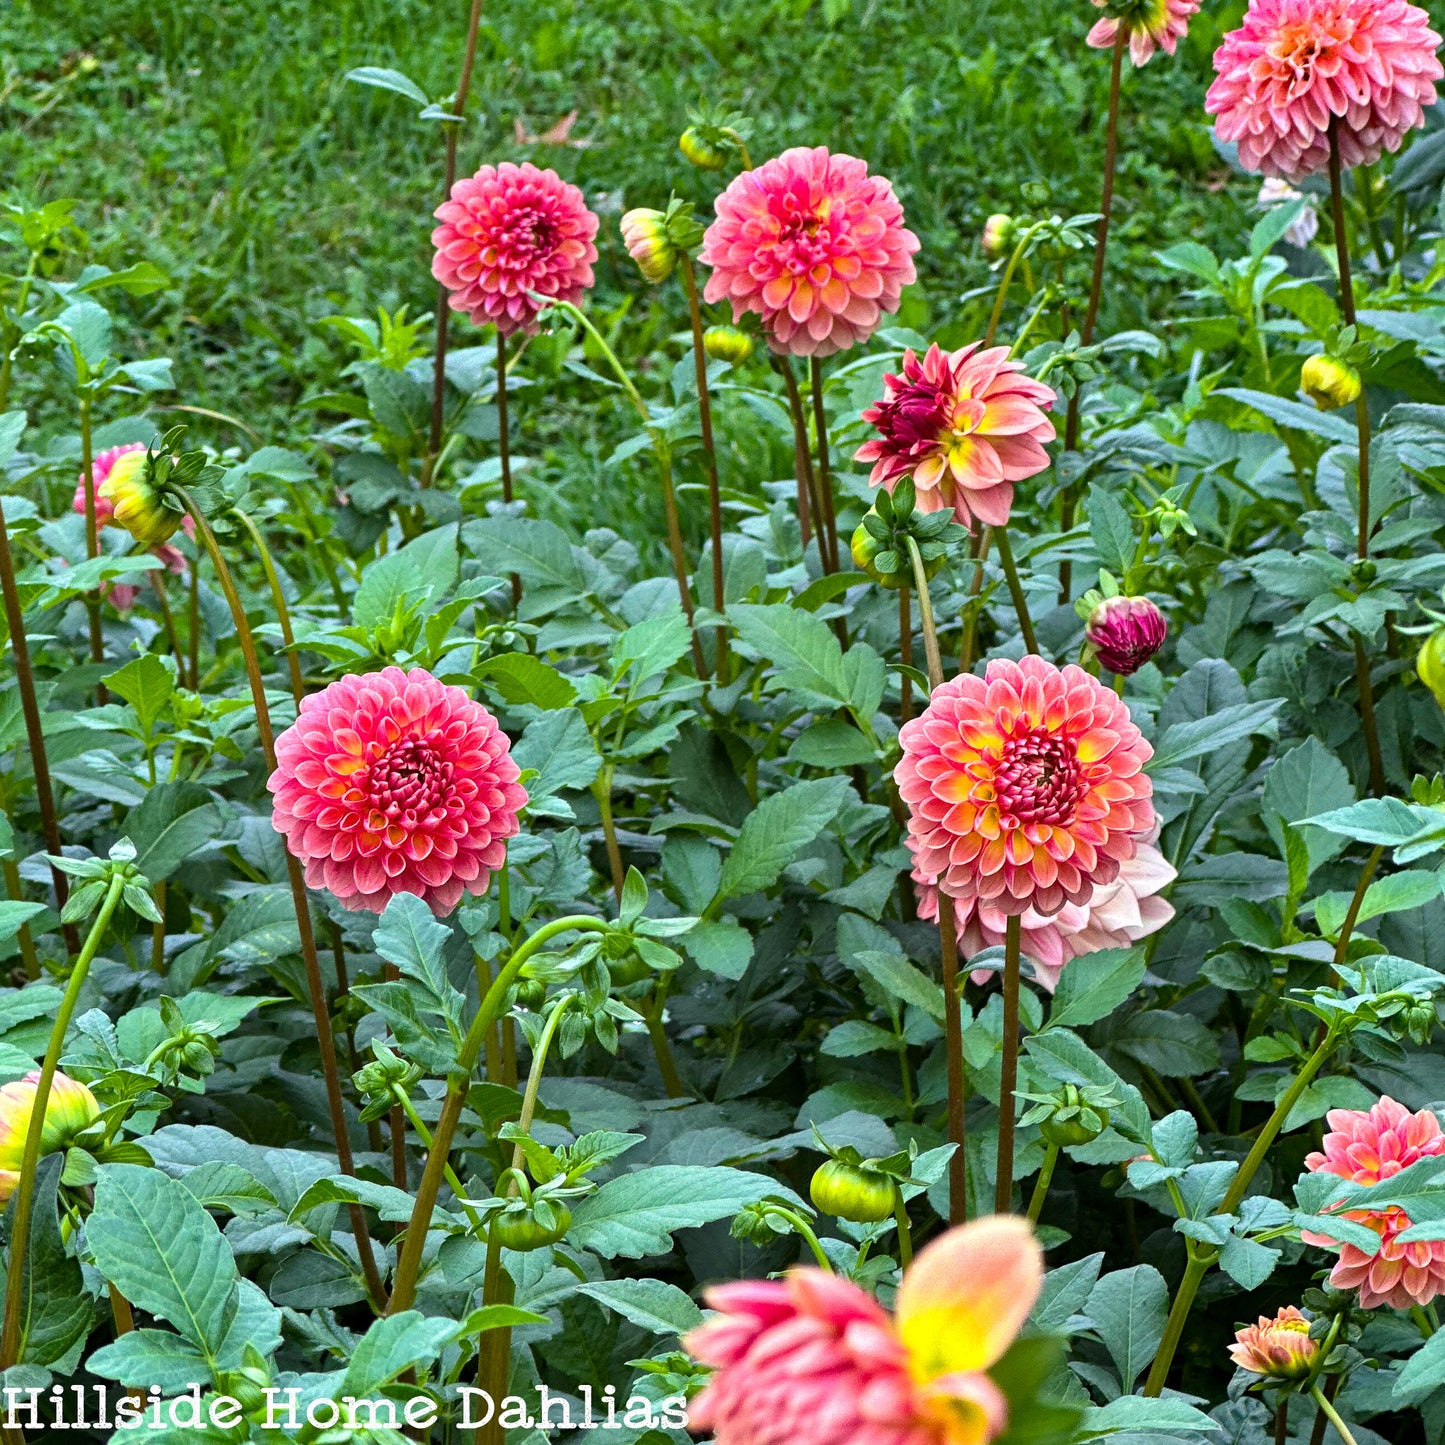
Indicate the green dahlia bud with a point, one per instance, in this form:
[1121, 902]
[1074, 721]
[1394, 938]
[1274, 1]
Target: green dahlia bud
[882, 561]
[853, 1192]
[727, 343]
[702, 149]
[137, 503]
[1329, 382]
[1430, 664]
[998, 236]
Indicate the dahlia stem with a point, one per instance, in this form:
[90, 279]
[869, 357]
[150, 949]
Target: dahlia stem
[504, 443]
[193, 625]
[1007, 1109]
[1332, 1415]
[25, 1189]
[158, 932]
[1281, 1421]
[1041, 1188]
[828, 522]
[34, 729]
[1096, 285]
[92, 535]
[1006, 281]
[982, 543]
[1199, 1263]
[905, 1230]
[905, 655]
[404, 1102]
[709, 453]
[1331, 1389]
[1352, 914]
[925, 614]
[15, 891]
[320, 1012]
[439, 364]
[404, 1281]
[602, 792]
[1015, 589]
[343, 987]
[801, 1226]
[661, 1047]
[278, 598]
[163, 603]
[664, 465]
[808, 505]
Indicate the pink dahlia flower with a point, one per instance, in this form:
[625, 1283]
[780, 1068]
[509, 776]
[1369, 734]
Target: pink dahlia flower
[1125, 632]
[1296, 68]
[1366, 1148]
[112, 463]
[509, 230]
[815, 1360]
[1025, 787]
[1118, 914]
[1149, 25]
[394, 783]
[813, 244]
[965, 425]
[1278, 1348]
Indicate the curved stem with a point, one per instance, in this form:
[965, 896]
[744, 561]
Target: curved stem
[1352, 914]
[25, 1189]
[709, 453]
[1332, 1415]
[403, 1100]
[321, 1014]
[1041, 1188]
[905, 1231]
[925, 615]
[996, 315]
[905, 656]
[801, 1226]
[504, 442]
[278, 598]
[1009, 1078]
[1331, 1388]
[661, 1047]
[602, 792]
[1015, 588]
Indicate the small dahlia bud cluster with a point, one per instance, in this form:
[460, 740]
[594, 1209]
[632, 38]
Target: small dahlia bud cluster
[1122, 632]
[378, 1081]
[1072, 1115]
[656, 240]
[880, 543]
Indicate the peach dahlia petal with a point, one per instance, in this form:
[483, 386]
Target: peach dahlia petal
[1148, 25]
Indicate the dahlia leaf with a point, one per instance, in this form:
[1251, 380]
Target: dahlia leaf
[776, 830]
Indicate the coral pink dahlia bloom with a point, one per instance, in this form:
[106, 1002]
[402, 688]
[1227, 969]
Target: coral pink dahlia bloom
[1118, 914]
[509, 230]
[1025, 787]
[394, 783]
[1148, 25]
[813, 244]
[1366, 1148]
[815, 1360]
[1296, 68]
[965, 425]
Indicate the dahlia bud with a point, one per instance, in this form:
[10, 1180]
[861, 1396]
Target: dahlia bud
[138, 504]
[853, 1191]
[998, 236]
[69, 1110]
[1329, 382]
[1278, 1348]
[656, 239]
[1125, 632]
[702, 148]
[727, 343]
[1430, 664]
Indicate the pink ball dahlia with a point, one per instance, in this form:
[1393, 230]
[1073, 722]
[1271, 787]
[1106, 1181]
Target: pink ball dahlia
[1025, 787]
[509, 230]
[1366, 1148]
[815, 1360]
[394, 783]
[1118, 914]
[1149, 25]
[1278, 1348]
[813, 244]
[965, 425]
[1296, 68]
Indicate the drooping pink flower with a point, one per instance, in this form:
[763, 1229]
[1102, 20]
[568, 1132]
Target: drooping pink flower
[815, 1360]
[1278, 1348]
[1366, 1148]
[509, 230]
[394, 783]
[1118, 914]
[1125, 632]
[1149, 25]
[1295, 68]
[1025, 787]
[965, 425]
[814, 245]
[111, 463]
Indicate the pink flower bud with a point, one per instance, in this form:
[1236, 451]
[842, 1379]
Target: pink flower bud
[1125, 632]
[1278, 1348]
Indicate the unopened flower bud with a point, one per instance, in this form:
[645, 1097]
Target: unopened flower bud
[137, 502]
[1430, 664]
[1329, 382]
[702, 149]
[645, 234]
[727, 343]
[70, 1110]
[1125, 632]
[998, 236]
[1278, 1348]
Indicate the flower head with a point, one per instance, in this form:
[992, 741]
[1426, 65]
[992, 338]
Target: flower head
[1025, 787]
[657, 239]
[1329, 382]
[815, 1360]
[1118, 914]
[1295, 69]
[727, 343]
[965, 425]
[509, 230]
[1125, 632]
[70, 1109]
[1278, 1348]
[1366, 1148]
[813, 244]
[1148, 25]
[394, 783]
[126, 494]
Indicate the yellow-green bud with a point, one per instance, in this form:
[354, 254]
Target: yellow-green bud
[1430, 664]
[645, 234]
[137, 503]
[703, 152]
[727, 343]
[1329, 382]
[998, 235]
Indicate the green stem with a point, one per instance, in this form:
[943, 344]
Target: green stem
[1041, 1188]
[810, 511]
[802, 1227]
[278, 599]
[828, 522]
[25, 1189]
[1006, 281]
[602, 794]
[905, 1232]
[661, 1048]
[1332, 1415]
[424, 1134]
[925, 617]
[92, 534]
[1015, 588]
[1008, 1083]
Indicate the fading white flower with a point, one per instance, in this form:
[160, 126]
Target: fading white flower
[1275, 192]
